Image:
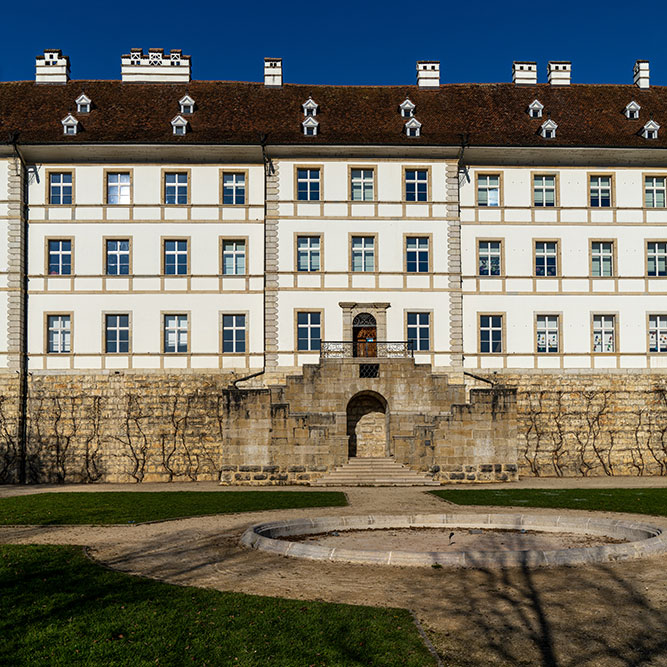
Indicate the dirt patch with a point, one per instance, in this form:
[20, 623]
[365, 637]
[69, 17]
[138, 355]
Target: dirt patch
[452, 540]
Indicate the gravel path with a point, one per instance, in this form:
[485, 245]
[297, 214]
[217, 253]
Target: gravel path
[608, 614]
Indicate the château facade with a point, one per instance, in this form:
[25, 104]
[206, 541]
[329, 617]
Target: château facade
[168, 229]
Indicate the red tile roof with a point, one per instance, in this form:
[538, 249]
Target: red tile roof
[238, 113]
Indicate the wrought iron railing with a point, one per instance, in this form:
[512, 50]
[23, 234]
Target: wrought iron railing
[383, 349]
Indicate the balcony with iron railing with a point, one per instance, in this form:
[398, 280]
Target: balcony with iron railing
[373, 349]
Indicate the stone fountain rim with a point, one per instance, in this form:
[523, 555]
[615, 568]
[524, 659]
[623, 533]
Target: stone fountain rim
[643, 539]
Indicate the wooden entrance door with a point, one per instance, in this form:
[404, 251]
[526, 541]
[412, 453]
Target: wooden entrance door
[365, 341]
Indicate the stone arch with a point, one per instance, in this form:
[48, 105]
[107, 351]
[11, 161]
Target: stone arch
[367, 425]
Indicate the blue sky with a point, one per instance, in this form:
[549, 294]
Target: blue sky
[364, 42]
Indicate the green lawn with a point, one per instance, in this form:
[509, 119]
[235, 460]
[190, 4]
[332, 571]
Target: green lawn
[135, 507]
[59, 608]
[639, 501]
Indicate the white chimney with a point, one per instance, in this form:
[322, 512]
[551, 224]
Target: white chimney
[524, 73]
[559, 72]
[273, 72]
[52, 67]
[156, 66]
[641, 74]
[428, 73]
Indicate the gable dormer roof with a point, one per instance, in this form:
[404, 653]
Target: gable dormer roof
[70, 121]
[407, 106]
[186, 101]
[310, 105]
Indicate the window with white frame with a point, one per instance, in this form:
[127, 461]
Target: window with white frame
[117, 334]
[419, 331]
[233, 333]
[600, 191]
[632, 110]
[309, 331]
[308, 253]
[70, 125]
[654, 191]
[233, 257]
[407, 108]
[362, 181]
[416, 185]
[83, 103]
[548, 129]
[175, 257]
[657, 333]
[233, 188]
[175, 333]
[118, 188]
[118, 257]
[186, 104]
[546, 259]
[489, 256]
[547, 331]
[604, 333]
[310, 126]
[416, 254]
[176, 188]
[656, 258]
[60, 257]
[60, 188]
[602, 259]
[544, 190]
[413, 128]
[179, 125]
[59, 332]
[363, 253]
[650, 130]
[488, 190]
[491, 334]
[535, 109]
[308, 184]
[310, 108]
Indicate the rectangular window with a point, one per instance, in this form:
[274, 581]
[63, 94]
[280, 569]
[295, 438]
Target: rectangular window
[657, 333]
[118, 188]
[362, 184]
[547, 334]
[308, 184]
[488, 190]
[491, 334]
[363, 253]
[489, 258]
[233, 258]
[60, 257]
[416, 185]
[118, 257]
[419, 331]
[59, 334]
[604, 338]
[233, 333]
[600, 191]
[176, 188]
[654, 191]
[656, 258]
[117, 334]
[546, 258]
[602, 259]
[175, 258]
[233, 188]
[544, 190]
[175, 333]
[416, 258]
[308, 253]
[309, 331]
[60, 188]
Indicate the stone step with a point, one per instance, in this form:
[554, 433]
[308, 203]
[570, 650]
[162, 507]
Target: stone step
[376, 471]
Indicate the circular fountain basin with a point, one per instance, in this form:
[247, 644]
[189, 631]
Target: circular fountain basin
[630, 539]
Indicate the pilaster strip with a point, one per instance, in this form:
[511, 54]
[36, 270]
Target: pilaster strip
[271, 266]
[454, 259]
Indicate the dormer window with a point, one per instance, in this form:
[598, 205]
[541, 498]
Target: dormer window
[83, 103]
[180, 125]
[548, 129]
[187, 104]
[310, 126]
[310, 108]
[70, 125]
[407, 108]
[650, 130]
[413, 128]
[535, 109]
[632, 111]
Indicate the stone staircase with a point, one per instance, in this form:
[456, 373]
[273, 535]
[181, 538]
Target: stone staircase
[375, 472]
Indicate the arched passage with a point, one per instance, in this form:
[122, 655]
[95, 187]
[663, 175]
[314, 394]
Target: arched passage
[367, 425]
